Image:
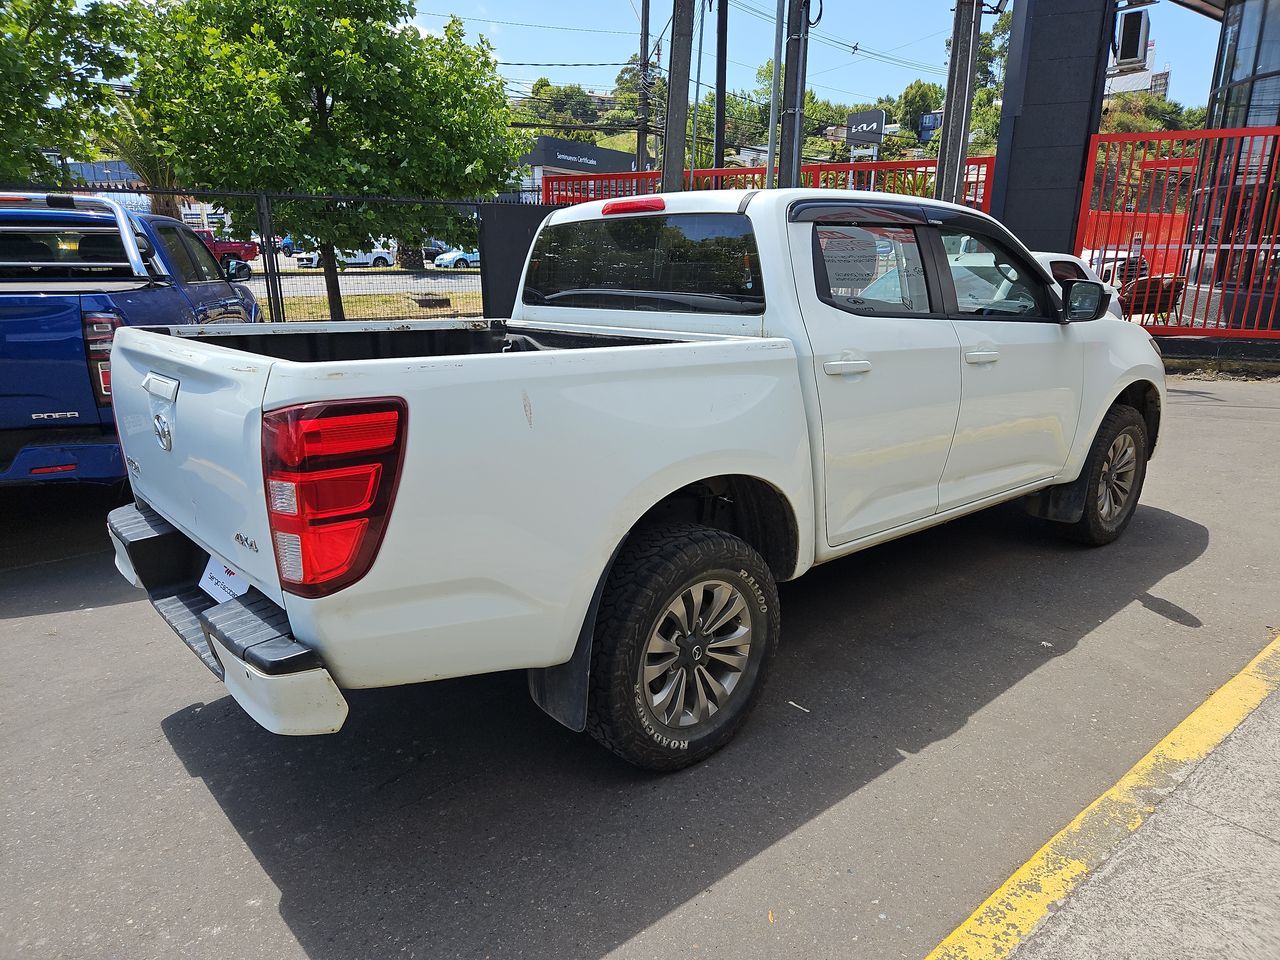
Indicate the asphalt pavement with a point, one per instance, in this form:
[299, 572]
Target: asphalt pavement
[941, 707]
[357, 280]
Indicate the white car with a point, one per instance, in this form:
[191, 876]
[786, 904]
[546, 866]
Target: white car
[698, 395]
[379, 256]
[1066, 266]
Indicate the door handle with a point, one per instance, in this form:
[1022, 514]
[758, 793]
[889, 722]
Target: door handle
[982, 356]
[838, 368]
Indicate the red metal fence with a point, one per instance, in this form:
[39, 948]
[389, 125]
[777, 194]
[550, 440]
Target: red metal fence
[1186, 225]
[910, 177]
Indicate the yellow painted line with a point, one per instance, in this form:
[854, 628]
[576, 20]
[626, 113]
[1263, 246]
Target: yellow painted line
[1012, 912]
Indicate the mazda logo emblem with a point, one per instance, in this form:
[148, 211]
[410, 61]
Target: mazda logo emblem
[164, 436]
[697, 653]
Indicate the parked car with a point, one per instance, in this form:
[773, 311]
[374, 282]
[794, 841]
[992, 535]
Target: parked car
[1117, 267]
[224, 249]
[432, 249]
[74, 270]
[379, 256]
[1066, 266]
[458, 259]
[698, 401]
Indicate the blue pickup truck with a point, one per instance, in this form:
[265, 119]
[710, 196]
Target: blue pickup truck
[72, 270]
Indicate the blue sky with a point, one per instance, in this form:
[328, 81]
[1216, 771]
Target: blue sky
[606, 31]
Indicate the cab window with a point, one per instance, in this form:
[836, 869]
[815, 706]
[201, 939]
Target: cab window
[205, 265]
[989, 279]
[870, 270]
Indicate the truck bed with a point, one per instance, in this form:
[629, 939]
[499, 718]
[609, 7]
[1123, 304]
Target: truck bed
[388, 340]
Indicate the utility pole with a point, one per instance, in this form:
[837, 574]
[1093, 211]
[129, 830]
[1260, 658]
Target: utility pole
[642, 134]
[772, 155]
[722, 50]
[961, 77]
[677, 96]
[793, 94]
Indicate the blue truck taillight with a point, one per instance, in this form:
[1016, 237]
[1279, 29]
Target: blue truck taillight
[99, 327]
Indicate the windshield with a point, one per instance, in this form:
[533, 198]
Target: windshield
[685, 262]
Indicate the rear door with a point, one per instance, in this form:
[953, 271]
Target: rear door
[190, 421]
[886, 361]
[212, 297]
[1022, 369]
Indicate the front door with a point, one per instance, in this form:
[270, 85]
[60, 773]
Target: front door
[887, 365]
[1022, 369]
[213, 298]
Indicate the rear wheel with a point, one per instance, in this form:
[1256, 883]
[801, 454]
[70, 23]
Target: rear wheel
[381, 262]
[688, 625]
[1116, 469]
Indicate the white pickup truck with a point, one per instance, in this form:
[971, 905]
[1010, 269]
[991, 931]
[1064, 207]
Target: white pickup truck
[699, 395]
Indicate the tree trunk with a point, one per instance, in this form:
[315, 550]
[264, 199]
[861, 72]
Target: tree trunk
[331, 286]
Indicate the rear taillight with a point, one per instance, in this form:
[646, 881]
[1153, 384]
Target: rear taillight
[331, 471]
[99, 328]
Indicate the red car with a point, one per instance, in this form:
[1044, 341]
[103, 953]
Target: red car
[225, 249]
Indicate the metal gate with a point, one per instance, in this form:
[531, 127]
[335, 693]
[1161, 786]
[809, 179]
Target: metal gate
[911, 177]
[1185, 225]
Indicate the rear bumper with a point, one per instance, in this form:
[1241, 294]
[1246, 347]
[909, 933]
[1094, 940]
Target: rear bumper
[94, 462]
[245, 641]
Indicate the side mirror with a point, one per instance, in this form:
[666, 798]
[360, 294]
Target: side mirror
[238, 270]
[1083, 300]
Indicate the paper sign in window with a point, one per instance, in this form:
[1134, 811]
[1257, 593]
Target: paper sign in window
[850, 254]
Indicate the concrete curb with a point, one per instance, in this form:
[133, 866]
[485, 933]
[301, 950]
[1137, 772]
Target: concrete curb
[1014, 910]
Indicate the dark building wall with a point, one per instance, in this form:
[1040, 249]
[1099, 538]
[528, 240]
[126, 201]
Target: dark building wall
[1052, 105]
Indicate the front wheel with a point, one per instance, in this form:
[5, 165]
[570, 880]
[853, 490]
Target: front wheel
[381, 262]
[688, 625]
[1116, 469]
[460, 264]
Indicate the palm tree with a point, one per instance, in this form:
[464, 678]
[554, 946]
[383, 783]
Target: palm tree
[129, 138]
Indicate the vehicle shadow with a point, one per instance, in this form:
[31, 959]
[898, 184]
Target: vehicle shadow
[63, 524]
[453, 819]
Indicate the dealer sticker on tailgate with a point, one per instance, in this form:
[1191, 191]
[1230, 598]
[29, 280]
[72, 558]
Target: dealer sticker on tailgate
[222, 582]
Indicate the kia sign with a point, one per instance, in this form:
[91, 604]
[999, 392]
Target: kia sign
[866, 128]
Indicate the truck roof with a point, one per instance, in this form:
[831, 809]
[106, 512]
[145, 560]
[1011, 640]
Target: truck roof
[732, 201]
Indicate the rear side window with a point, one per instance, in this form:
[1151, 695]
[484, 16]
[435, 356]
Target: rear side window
[680, 262]
[175, 252]
[873, 270]
[205, 265]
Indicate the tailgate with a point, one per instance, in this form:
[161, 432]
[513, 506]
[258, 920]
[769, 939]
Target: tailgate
[44, 376]
[190, 420]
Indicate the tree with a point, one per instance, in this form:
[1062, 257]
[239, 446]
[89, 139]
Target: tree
[129, 136]
[327, 97]
[55, 60]
[919, 98]
[561, 108]
[1141, 112]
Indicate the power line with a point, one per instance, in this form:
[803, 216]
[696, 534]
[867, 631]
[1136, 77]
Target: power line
[517, 63]
[539, 26]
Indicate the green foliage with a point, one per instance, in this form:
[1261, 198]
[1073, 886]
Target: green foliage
[129, 136]
[327, 97]
[919, 98]
[554, 104]
[55, 57]
[1141, 112]
[330, 96]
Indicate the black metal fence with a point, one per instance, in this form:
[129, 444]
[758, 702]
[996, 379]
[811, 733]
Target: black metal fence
[423, 262]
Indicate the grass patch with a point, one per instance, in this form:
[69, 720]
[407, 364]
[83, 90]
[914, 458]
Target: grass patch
[382, 306]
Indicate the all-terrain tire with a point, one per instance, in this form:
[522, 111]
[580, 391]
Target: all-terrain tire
[1096, 528]
[657, 567]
